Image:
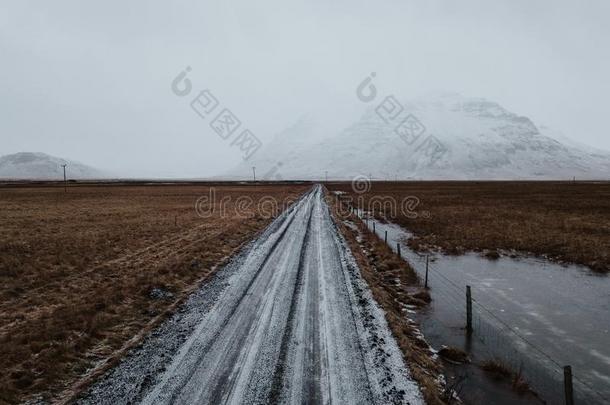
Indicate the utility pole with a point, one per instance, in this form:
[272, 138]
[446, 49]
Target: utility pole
[254, 173]
[65, 185]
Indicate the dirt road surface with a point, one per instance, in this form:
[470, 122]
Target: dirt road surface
[289, 320]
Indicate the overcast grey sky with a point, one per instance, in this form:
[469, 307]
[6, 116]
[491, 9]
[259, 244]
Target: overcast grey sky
[91, 80]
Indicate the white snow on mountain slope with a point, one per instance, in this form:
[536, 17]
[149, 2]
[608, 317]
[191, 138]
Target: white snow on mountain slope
[459, 138]
[40, 166]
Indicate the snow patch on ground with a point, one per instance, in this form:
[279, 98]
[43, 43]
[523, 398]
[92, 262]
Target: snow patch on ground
[384, 358]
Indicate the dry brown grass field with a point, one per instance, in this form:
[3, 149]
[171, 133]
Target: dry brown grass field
[565, 221]
[77, 269]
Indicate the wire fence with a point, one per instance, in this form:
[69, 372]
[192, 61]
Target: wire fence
[499, 342]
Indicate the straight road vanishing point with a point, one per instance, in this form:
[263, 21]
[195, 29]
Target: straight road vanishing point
[290, 320]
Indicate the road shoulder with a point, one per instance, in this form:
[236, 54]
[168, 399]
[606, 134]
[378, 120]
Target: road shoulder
[395, 288]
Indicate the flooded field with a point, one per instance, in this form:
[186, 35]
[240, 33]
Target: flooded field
[532, 314]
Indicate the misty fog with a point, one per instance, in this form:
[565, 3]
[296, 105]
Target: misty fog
[92, 81]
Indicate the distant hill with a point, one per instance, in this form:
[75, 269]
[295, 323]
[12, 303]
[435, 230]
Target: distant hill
[40, 166]
[452, 137]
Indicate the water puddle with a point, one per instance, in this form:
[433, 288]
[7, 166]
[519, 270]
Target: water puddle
[532, 314]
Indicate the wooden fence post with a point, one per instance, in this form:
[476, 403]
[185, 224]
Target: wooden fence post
[567, 385]
[468, 310]
[386, 237]
[426, 282]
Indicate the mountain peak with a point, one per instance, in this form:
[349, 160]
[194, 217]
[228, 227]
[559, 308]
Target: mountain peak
[447, 136]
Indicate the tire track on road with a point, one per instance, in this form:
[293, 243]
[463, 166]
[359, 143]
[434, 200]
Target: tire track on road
[284, 225]
[278, 375]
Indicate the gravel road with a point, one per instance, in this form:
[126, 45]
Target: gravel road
[288, 320]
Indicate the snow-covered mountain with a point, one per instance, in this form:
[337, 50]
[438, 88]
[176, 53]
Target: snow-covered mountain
[40, 166]
[446, 137]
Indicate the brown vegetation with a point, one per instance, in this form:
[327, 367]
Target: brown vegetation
[562, 220]
[496, 369]
[454, 354]
[500, 371]
[395, 287]
[83, 272]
